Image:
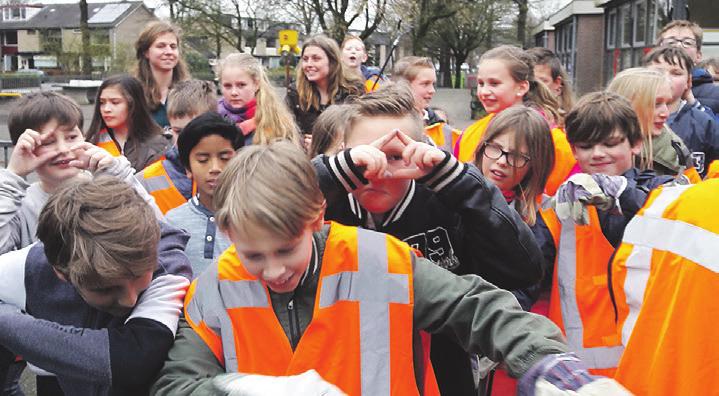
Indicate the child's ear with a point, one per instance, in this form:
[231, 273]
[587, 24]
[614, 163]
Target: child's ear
[523, 88]
[637, 148]
[318, 222]
[188, 173]
[574, 151]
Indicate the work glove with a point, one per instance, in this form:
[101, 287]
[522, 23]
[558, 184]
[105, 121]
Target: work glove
[564, 375]
[309, 383]
[582, 189]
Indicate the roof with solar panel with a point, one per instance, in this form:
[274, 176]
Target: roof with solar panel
[67, 16]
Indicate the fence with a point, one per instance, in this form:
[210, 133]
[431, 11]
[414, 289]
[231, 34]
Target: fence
[14, 81]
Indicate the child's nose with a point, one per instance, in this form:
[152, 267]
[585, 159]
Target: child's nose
[273, 272]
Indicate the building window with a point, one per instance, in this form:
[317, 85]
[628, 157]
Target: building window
[10, 38]
[612, 29]
[640, 19]
[565, 43]
[13, 13]
[625, 21]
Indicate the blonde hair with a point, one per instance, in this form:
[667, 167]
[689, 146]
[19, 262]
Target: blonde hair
[391, 100]
[640, 85]
[143, 71]
[351, 37]
[98, 230]
[680, 23]
[408, 67]
[520, 65]
[532, 130]
[273, 187]
[329, 129]
[191, 98]
[338, 78]
[273, 120]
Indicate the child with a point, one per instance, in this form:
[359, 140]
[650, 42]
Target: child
[45, 128]
[328, 131]
[605, 136]
[698, 130]
[650, 93]
[249, 100]
[122, 125]
[445, 209]
[712, 66]
[689, 35]
[549, 70]
[295, 293]
[205, 146]
[322, 80]
[419, 73]
[167, 180]
[159, 65]
[517, 154]
[354, 55]
[95, 304]
[505, 78]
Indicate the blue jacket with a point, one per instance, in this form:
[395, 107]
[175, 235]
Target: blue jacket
[704, 89]
[700, 133]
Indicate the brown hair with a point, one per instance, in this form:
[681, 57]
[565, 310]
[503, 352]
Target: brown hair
[671, 55]
[545, 56]
[680, 23]
[532, 130]
[273, 187]
[329, 129]
[273, 119]
[34, 110]
[337, 80]
[521, 67]
[391, 100]
[190, 98]
[598, 115]
[98, 230]
[143, 71]
[408, 67]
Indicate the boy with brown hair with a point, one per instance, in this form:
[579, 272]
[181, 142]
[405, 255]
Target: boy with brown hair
[94, 305]
[689, 35]
[296, 294]
[166, 180]
[445, 209]
[45, 129]
[698, 130]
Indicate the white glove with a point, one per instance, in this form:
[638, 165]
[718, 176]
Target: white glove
[309, 383]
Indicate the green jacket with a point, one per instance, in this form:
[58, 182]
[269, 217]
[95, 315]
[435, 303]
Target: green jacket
[481, 318]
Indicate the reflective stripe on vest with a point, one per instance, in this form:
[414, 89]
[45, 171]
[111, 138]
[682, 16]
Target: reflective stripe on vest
[159, 184]
[598, 357]
[363, 286]
[105, 141]
[648, 231]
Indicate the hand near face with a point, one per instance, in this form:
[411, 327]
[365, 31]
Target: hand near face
[90, 157]
[419, 158]
[26, 157]
[372, 158]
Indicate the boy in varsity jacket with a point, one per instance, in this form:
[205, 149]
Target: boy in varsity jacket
[94, 305]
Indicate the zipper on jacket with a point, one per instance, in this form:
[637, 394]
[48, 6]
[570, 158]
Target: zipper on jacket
[294, 323]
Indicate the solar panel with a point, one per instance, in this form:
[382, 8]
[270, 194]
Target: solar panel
[109, 13]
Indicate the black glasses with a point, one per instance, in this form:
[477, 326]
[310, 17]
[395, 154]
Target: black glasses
[495, 152]
[680, 42]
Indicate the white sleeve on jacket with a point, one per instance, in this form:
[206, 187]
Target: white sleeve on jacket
[12, 190]
[12, 277]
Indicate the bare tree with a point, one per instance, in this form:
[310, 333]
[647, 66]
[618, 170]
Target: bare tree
[522, 12]
[85, 36]
[336, 16]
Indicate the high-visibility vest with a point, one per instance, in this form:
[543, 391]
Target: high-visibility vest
[160, 185]
[713, 170]
[104, 140]
[564, 161]
[580, 303]
[442, 135]
[665, 278]
[360, 337]
[372, 84]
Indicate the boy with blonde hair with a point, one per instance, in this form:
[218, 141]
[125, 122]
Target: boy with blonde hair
[425, 197]
[295, 294]
[94, 305]
[166, 180]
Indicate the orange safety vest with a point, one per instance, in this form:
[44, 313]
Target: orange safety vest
[360, 336]
[713, 170]
[442, 135]
[563, 158]
[104, 140]
[665, 278]
[160, 185]
[372, 84]
[580, 303]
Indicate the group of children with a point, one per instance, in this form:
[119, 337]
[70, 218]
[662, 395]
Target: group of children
[400, 256]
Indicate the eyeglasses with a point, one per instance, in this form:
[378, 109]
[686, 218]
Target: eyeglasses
[495, 152]
[679, 42]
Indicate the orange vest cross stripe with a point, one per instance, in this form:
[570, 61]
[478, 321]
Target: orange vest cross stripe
[596, 357]
[362, 286]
